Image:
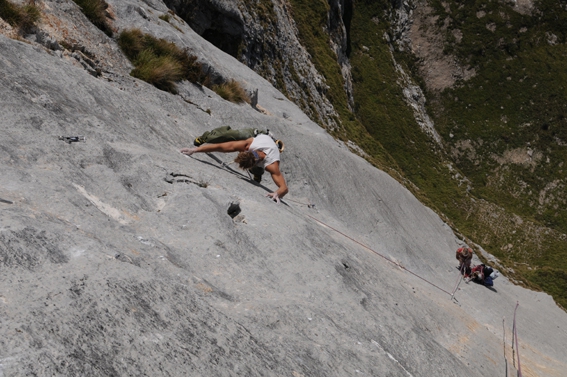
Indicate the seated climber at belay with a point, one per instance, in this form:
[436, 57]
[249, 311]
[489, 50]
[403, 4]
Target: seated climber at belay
[258, 152]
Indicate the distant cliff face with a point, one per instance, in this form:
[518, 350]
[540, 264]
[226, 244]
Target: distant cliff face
[265, 38]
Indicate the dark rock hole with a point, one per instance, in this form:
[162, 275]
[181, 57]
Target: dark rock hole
[234, 210]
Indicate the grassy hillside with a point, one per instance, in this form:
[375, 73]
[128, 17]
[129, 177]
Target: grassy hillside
[511, 112]
[517, 102]
[507, 129]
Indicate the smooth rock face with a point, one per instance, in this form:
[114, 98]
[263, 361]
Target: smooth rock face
[118, 255]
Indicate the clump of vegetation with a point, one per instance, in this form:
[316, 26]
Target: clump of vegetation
[22, 17]
[166, 17]
[95, 11]
[159, 62]
[160, 71]
[232, 91]
[163, 64]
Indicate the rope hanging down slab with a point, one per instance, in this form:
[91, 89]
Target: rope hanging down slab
[380, 255]
[515, 346]
[515, 339]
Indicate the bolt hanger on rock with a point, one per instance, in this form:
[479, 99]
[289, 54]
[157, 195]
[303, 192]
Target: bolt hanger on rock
[72, 139]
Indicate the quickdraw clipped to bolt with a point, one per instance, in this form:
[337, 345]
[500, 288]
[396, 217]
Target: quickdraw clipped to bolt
[72, 139]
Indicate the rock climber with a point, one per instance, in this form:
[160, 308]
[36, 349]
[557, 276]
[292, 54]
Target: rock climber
[483, 274]
[257, 152]
[464, 256]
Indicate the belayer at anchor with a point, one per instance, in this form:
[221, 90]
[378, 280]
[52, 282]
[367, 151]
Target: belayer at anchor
[464, 256]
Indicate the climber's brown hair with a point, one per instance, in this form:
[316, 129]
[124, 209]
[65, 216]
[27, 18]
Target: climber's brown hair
[246, 160]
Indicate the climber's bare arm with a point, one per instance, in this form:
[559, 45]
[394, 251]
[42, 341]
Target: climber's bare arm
[227, 147]
[277, 176]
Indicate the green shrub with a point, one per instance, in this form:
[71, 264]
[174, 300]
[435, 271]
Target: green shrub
[232, 91]
[95, 11]
[22, 17]
[159, 62]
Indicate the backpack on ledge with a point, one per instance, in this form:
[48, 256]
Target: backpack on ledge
[488, 273]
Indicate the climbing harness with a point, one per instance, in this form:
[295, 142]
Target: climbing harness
[279, 143]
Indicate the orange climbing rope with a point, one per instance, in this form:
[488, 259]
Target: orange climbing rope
[515, 338]
[515, 349]
[380, 255]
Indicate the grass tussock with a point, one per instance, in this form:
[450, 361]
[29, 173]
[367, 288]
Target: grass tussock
[159, 62]
[165, 17]
[23, 17]
[160, 71]
[163, 64]
[95, 11]
[232, 91]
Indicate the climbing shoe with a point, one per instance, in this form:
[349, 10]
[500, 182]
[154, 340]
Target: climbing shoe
[198, 142]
